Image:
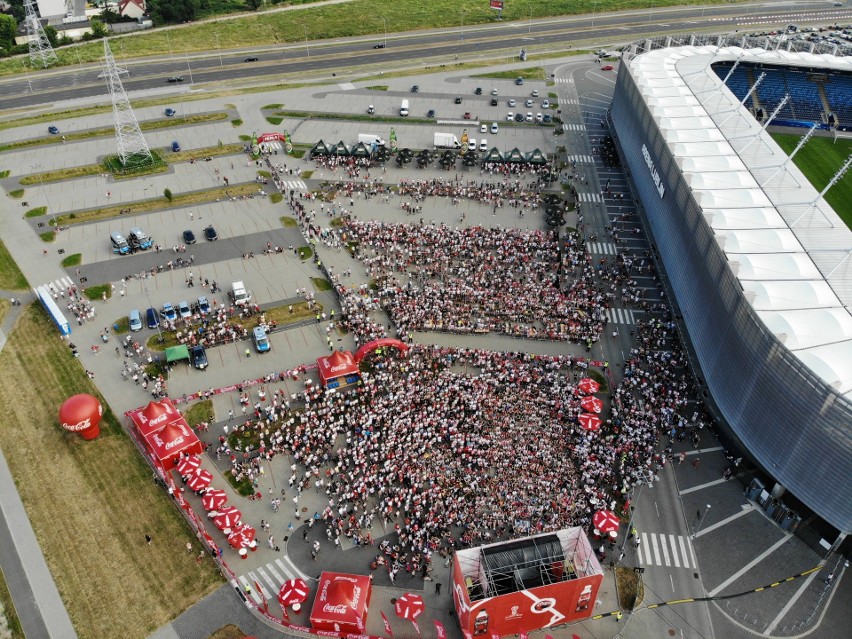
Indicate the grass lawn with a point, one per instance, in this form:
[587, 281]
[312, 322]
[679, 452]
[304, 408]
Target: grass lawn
[819, 160]
[9, 612]
[5, 305]
[631, 590]
[321, 284]
[101, 491]
[97, 292]
[36, 212]
[11, 278]
[286, 220]
[74, 259]
[359, 17]
[275, 198]
[199, 412]
[157, 204]
[17, 194]
[530, 73]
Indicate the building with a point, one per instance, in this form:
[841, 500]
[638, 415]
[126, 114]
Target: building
[759, 266]
[132, 8]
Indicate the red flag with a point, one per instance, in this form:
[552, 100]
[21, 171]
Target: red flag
[524, 635]
[387, 626]
[416, 627]
[439, 629]
[265, 606]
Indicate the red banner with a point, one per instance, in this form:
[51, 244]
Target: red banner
[497, 4]
[387, 625]
[439, 629]
[416, 627]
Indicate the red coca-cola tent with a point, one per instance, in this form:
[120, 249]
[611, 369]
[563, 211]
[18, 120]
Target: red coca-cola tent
[175, 438]
[154, 416]
[335, 368]
[341, 603]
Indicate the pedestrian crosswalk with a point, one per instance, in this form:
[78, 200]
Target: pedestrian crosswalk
[602, 248]
[269, 577]
[581, 159]
[58, 285]
[293, 185]
[569, 101]
[271, 146]
[620, 316]
[568, 80]
[661, 549]
[574, 127]
[589, 197]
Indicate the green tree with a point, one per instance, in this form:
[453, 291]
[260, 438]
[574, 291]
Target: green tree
[99, 29]
[8, 25]
[172, 11]
[109, 15]
[254, 5]
[52, 35]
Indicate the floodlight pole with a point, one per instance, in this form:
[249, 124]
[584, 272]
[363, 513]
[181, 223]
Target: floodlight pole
[385, 21]
[44, 193]
[189, 68]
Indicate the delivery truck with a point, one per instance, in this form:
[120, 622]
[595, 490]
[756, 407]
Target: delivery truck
[446, 141]
[370, 139]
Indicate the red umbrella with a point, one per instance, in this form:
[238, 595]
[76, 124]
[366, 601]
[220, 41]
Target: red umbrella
[214, 499]
[588, 386]
[590, 422]
[591, 404]
[227, 518]
[241, 536]
[188, 465]
[409, 606]
[605, 521]
[293, 591]
[201, 478]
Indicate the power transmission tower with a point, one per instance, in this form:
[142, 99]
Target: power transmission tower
[41, 51]
[128, 136]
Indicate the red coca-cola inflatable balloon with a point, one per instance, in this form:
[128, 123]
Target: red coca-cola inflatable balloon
[81, 414]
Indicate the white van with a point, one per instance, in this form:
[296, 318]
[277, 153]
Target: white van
[403, 110]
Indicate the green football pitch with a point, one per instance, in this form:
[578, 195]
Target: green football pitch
[819, 160]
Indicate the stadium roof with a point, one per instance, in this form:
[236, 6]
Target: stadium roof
[789, 249]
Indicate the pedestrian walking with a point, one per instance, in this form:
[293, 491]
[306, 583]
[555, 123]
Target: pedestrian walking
[696, 462]
[148, 539]
[437, 587]
[189, 547]
[681, 458]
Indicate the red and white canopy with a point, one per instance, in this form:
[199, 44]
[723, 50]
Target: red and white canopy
[214, 499]
[590, 422]
[228, 517]
[338, 364]
[341, 603]
[200, 479]
[591, 404]
[174, 438]
[242, 536]
[588, 386]
[606, 521]
[409, 606]
[188, 465]
[293, 591]
[153, 417]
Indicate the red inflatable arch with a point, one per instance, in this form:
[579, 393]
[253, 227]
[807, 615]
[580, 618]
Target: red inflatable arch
[369, 347]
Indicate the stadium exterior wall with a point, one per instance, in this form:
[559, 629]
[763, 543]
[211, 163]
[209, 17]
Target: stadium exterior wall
[789, 420]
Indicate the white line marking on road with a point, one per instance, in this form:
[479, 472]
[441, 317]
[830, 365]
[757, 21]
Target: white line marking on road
[665, 549]
[709, 484]
[727, 520]
[683, 552]
[674, 551]
[749, 566]
[656, 549]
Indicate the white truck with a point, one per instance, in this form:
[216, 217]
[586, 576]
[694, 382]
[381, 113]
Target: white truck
[446, 141]
[239, 295]
[403, 110]
[370, 139]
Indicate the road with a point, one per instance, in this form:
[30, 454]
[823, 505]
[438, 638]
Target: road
[339, 55]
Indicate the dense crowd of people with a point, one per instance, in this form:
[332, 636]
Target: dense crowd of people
[435, 277]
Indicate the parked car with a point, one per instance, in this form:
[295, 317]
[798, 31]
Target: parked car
[371, 109]
[547, 118]
[203, 305]
[534, 93]
[483, 128]
[175, 78]
[183, 310]
[607, 67]
[471, 144]
[198, 357]
[430, 113]
[251, 59]
[494, 92]
[53, 130]
[458, 99]
[528, 103]
[188, 237]
[545, 104]
[210, 234]
[519, 117]
[512, 102]
[483, 144]
[478, 91]
[135, 320]
[493, 101]
[467, 115]
[168, 312]
[169, 112]
[510, 116]
[539, 117]
[519, 81]
[494, 127]
[529, 117]
[175, 146]
[261, 341]
[151, 318]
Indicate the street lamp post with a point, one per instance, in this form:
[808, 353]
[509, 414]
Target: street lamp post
[701, 521]
[219, 49]
[188, 67]
[594, 12]
[529, 32]
[27, 72]
[77, 51]
[307, 47]
[461, 22]
[386, 29]
[38, 167]
[169, 42]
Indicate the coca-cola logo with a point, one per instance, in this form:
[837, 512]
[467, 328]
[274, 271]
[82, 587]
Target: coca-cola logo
[339, 367]
[339, 609]
[158, 419]
[175, 442]
[82, 425]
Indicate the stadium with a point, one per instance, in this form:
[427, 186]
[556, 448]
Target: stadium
[757, 263]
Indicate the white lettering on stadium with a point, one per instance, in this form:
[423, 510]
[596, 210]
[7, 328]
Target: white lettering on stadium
[658, 182]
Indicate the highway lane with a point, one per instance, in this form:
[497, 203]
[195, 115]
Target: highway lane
[74, 82]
